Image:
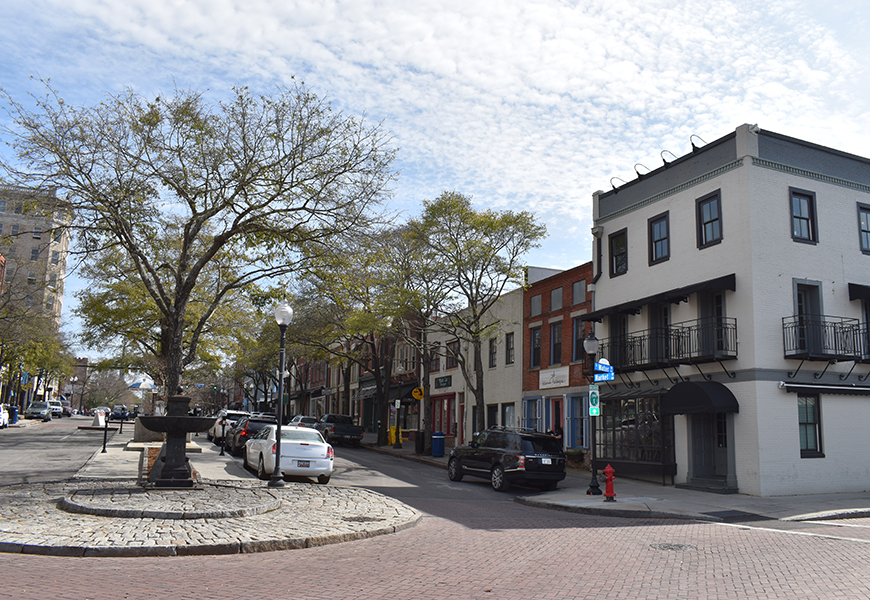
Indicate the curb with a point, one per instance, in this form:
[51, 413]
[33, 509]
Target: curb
[204, 549]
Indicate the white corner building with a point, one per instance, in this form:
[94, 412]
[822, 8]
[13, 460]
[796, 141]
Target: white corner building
[732, 296]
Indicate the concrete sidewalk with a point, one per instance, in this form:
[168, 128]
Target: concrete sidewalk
[635, 498]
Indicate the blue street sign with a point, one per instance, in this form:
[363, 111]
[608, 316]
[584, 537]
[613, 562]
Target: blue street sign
[603, 377]
[603, 367]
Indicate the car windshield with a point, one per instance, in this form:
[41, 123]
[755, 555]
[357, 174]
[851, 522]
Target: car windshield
[235, 415]
[301, 435]
[541, 445]
[39, 405]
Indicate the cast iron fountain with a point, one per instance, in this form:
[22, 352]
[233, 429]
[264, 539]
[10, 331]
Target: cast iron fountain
[172, 469]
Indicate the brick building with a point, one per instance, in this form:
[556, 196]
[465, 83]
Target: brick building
[554, 384]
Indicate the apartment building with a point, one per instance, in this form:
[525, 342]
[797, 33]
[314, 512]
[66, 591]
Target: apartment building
[732, 296]
[34, 239]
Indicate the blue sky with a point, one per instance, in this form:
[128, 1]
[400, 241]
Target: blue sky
[528, 105]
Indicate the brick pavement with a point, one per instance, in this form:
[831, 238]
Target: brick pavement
[513, 552]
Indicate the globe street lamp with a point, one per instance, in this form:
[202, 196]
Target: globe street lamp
[283, 315]
[590, 345]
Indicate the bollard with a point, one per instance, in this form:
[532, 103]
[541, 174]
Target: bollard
[105, 433]
[609, 496]
[223, 435]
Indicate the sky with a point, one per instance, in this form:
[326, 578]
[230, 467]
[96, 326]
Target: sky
[523, 105]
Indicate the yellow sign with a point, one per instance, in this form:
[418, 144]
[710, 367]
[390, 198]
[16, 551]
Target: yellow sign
[417, 393]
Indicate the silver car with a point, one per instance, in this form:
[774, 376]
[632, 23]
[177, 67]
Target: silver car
[38, 410]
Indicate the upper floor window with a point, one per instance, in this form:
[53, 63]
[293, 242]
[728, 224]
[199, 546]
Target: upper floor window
[31, 278]
[19, 208]
[556, 299]
[2, 206]
[15, 228]
[535, 305]
[34, 254]
[578, 292]
[556, 343]
[55, 257]
[535, 347]
[509, 348]
[803, 216]
[37, 232]
[709, 220]
[579, 327]
[52, 280]
[452, 353]
[493, 348]
[619, 253]
[863, 227]
[435, 353]
[659, 247]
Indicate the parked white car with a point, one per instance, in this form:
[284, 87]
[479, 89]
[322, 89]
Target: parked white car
[225, 421]
[56, 408]
[303, 453]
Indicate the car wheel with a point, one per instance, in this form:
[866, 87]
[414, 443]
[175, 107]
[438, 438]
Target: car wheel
[261, 469]
[499, 481]
[323, 479]
[209, 436]
[454, 470]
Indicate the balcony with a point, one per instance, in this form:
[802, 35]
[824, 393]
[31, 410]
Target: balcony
[689, 342]
[822, 337]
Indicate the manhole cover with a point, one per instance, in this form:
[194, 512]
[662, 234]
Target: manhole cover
[673, 547]
[361, 519]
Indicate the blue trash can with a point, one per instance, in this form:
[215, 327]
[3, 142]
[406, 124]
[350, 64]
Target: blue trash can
[438, 443]
[13, 414]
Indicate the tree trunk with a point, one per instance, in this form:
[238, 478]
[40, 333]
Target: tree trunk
[479, 402]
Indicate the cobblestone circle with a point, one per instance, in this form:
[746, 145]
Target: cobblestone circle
[210, 501]
[32, 520]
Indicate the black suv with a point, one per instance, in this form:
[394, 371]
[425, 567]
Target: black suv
[505, 456]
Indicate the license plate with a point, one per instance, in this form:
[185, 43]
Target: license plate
[303, 463]
[546, 461]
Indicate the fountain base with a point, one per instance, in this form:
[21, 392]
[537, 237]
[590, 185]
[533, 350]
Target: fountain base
[172, 469]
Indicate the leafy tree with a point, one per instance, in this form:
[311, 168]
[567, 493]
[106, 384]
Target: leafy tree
[483, 250]
[182, 189]
[346, 309]
[419, 279]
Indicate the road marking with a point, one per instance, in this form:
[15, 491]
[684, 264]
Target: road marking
[836, 524]
[806, 533]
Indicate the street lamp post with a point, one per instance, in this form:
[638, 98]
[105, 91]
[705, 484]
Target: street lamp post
[590, 345]
[283, 315]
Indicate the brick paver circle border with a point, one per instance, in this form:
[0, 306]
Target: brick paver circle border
[33, 522]
[207, 501]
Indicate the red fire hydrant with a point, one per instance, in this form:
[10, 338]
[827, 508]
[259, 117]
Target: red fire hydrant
[609, 496]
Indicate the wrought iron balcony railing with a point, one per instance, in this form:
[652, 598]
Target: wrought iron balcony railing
[822, 337]
[689, 342]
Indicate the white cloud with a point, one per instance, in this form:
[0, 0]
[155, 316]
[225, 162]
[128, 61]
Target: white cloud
[531, 105]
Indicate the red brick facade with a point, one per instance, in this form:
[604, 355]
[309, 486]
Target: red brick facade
[549, 318]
